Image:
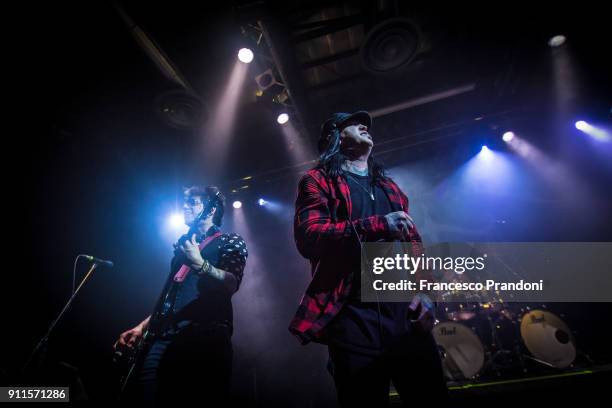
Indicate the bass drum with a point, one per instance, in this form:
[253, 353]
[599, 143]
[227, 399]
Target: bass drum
[548, 338]
[461, 351]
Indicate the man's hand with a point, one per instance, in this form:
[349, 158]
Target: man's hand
[192, 252]
[399, 224]
[129, 338]
[421, 313]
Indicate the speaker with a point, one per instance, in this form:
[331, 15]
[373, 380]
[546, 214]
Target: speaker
[390, 46]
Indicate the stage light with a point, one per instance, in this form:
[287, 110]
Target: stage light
[557, 41]
[266, 80]
[596, 133]
[237, 204]
[485, 153]
[272, 206]
[582, 125]
[245, 55]
[176, 220]
[508, 136]
[282, 118]
[489, 171]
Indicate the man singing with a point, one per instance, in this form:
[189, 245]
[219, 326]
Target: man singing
[345, 200]
[190, 357]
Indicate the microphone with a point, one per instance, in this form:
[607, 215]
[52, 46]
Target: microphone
[104, 262]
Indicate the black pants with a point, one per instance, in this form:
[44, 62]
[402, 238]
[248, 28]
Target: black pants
[191, 367]
[413, 365]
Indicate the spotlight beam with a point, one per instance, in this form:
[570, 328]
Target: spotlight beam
[596, 133]
[555, 173]
[297, 146]
[219, 133]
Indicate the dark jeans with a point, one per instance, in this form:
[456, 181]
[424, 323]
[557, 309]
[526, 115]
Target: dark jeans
[190, 367]
[413, 365]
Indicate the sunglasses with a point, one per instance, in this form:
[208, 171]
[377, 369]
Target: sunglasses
[193, 202]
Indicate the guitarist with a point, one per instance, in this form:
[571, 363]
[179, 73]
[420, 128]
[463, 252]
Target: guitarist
[187, 355]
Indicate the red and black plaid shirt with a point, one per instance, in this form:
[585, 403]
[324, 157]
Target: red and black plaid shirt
[323, 234]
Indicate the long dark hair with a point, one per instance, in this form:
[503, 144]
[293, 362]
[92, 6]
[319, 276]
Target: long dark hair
[332, 165]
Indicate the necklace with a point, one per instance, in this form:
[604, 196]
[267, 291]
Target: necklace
[370, 192]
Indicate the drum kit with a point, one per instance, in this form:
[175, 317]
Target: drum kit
[489, 339]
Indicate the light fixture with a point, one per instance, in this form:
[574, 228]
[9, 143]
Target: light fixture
[245, 55]
[557, 41]
[282, 118]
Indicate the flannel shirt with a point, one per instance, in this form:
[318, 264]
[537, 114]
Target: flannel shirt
[323, 233]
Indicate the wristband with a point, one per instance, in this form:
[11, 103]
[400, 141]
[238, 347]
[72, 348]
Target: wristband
[205, 269]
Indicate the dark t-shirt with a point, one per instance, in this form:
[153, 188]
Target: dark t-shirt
[204, 299]
[369, 327]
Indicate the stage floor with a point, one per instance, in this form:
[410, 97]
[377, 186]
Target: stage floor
[580, 382]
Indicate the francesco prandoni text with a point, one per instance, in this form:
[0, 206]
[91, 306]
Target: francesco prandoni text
[489, 284]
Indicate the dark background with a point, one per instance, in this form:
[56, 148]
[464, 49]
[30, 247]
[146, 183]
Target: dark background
[97, 169]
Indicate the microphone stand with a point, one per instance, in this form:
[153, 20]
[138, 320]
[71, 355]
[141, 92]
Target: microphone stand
[45, 338]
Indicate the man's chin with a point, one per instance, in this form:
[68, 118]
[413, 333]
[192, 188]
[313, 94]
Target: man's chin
[358, 147]
[366, 140]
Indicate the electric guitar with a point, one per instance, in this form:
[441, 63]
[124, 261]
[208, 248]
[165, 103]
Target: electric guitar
[129, 360]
